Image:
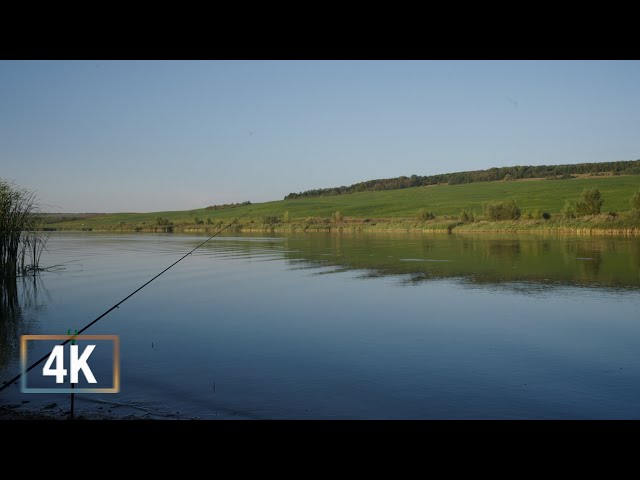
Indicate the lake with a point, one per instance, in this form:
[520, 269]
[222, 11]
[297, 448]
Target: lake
[343, 326]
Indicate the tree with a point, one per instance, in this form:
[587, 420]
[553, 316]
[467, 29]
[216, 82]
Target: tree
[568, 211]
[467, 216]
[590, 203]
[635, 200]
[508, 177]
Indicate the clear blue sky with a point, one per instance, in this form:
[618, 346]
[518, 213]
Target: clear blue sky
[107, 136]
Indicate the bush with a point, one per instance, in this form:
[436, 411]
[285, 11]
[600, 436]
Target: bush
[337, 217]
[590, 203]
[424, 215]
[270, 220]
[467, 216]
[508, 177]
[163, 221]
[502, 210]
[536, 214]
[197, 221]
[568, 211]
[635, 200]
[285, 217]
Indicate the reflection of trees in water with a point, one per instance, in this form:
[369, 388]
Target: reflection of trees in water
[590, 263]
[549, 262]
[535, 247]
[336, 244]
[504, 248]
[18, 303]
[635, 254]
[569, 251]
[588, 255]
[426, 247]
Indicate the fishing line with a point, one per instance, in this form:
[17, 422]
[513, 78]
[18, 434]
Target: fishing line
[117, 305]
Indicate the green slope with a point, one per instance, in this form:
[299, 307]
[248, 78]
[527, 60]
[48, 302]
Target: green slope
[547, 195]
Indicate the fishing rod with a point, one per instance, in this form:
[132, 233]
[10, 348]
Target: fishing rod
[117, 305]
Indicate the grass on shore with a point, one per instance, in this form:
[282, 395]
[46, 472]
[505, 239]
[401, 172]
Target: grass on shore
[394, 207]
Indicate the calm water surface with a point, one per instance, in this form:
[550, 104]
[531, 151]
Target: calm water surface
[328, 326]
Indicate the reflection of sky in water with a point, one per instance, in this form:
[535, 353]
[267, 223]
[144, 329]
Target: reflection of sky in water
[272, 327]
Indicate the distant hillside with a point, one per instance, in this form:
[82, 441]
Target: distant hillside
[446, 200]
[630, 167]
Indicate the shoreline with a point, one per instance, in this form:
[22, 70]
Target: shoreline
[577, 227]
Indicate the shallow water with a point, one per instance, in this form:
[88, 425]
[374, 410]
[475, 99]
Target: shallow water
[344, 326]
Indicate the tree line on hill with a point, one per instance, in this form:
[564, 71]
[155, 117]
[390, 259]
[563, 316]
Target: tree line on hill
[627, 167]
[227, 205]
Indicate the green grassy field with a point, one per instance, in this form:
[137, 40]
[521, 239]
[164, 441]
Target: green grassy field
[547, 195]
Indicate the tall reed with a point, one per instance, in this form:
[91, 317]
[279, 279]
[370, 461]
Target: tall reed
[19, 223]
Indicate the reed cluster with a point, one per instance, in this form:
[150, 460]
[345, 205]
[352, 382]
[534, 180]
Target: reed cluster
[20, 243]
